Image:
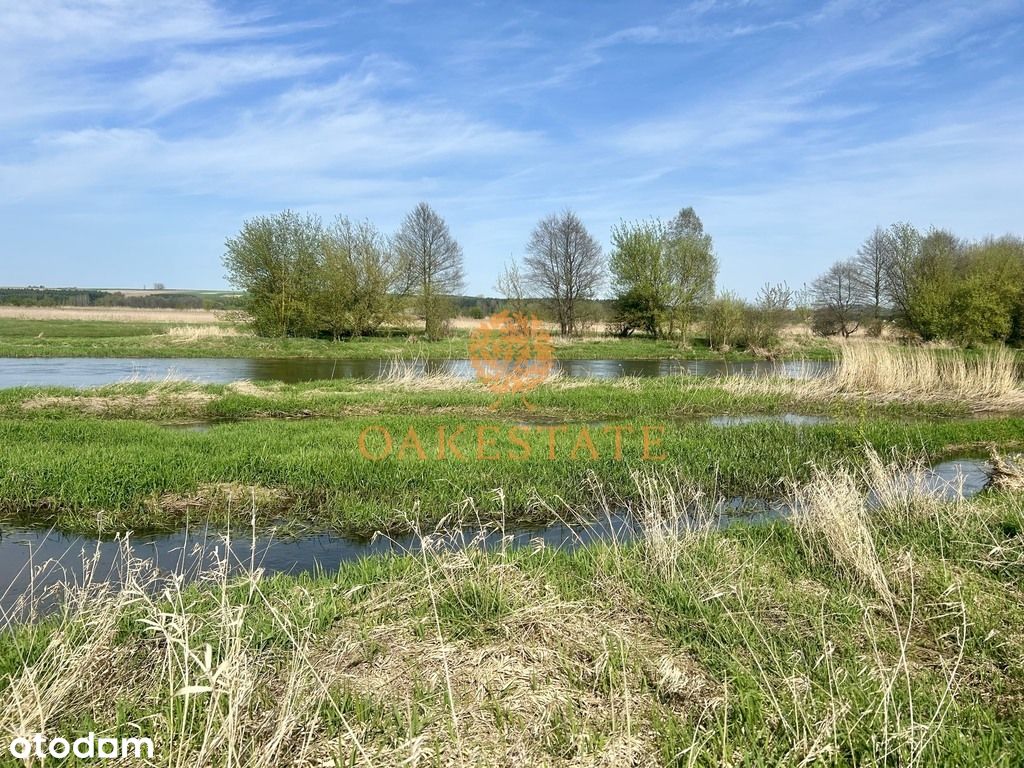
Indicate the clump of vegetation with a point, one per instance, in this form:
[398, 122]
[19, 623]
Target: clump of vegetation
[1006, 472]
[731, 322]
[882, 373]
[304, 279]
[933, 285]
[663, 274]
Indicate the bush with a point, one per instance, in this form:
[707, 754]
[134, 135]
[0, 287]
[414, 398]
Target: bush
[724, 321]
[766, 317]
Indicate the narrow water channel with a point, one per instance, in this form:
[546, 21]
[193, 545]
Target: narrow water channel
[34, 563]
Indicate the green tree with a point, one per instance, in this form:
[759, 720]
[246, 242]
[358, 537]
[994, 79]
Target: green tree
[988, 296]
[639, 267]
[274, 259]
[662, 274]
[932, 285]
[692, 269]
[360, 279]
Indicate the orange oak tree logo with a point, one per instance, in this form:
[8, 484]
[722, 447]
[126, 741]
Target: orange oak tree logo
[512, 354]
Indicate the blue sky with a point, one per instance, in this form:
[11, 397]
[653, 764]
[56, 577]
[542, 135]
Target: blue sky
[136, 136]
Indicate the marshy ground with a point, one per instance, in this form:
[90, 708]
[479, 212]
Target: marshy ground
[879, 624]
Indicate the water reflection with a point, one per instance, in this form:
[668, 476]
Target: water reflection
[35, 561]
[789, 419]
[93, 372]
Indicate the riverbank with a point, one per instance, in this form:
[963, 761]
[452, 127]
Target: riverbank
[20, 337]
[855, 636]
[862, 379]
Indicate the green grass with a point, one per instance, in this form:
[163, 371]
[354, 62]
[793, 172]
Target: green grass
[97, 475]
[667, 397]
[64, 338]
[757, 649]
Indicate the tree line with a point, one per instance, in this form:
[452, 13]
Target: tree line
[934, 285]
[302, 277]
[40, 296]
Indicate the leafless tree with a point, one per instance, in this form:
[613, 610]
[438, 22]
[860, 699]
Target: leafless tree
[872, 264]
[563, 264]
[838, 300]
[511, 287]
[433, 262]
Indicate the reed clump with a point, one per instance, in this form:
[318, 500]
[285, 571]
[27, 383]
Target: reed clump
[885, 373]
[420, 376]
[1006, 472]
[830, 516]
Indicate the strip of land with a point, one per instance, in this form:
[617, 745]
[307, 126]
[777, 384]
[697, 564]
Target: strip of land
[22, 337]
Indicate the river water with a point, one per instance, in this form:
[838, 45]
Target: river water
[97, 371]
[34, 563]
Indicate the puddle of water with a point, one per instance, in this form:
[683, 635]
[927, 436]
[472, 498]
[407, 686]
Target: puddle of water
[94, 372]
[950, 479]
[189, 426]
[791, 419]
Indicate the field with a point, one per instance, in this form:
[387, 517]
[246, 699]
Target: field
[879, 623]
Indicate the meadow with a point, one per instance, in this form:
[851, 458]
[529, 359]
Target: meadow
[878, 623]
[848, 636]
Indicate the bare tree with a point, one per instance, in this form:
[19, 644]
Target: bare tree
[838, 300]
[563, 264]
[433, 260]
[511, 287]
[872, 264]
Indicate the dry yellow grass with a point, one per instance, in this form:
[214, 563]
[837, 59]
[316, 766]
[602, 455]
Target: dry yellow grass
[114, 400]
[419, 375]
[1007, 472]
[887, 373]
[830, 514]
[115, 314]
[188, 333]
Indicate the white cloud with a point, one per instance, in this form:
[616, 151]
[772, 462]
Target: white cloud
[191, 76]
